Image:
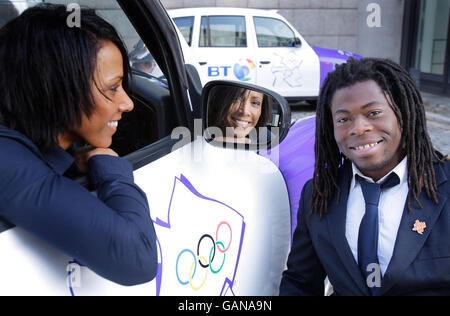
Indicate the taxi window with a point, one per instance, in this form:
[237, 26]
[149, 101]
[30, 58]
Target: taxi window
[185, 25]
[223, 31]
[152, 118]
[272, 32]
[11, 9]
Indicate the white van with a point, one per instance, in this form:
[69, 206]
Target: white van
[255, 46]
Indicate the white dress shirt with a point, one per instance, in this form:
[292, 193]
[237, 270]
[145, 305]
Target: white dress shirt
[390, 211]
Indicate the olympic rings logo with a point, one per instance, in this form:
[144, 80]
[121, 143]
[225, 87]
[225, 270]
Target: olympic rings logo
[207, 265]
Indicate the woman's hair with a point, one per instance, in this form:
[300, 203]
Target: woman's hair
[221, 98]
[409, 110]
[47, 71]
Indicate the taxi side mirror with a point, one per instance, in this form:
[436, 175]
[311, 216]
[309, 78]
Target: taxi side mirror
[245, 115]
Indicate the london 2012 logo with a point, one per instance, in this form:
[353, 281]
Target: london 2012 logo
[243, 70]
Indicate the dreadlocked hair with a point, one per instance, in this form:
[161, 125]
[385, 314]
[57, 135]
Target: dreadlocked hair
[408, 107]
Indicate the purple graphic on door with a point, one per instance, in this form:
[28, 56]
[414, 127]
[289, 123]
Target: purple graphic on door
[217, 231]
[210, 249]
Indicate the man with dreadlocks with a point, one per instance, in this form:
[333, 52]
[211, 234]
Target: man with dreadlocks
[375, 218]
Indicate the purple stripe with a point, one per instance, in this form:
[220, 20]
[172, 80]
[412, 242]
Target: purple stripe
[296, 161]
[329, 58]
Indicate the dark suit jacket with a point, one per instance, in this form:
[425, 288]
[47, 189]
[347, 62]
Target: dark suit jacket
[420, 264]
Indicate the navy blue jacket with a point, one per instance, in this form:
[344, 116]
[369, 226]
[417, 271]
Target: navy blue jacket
[111, 233]
[420, 264]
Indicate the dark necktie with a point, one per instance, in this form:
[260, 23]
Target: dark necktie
[368, 230]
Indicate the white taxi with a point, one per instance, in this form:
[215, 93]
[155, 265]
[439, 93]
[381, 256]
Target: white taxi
[255, 46]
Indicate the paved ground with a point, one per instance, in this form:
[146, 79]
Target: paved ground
[438, 119]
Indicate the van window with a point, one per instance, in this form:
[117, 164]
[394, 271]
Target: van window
[223, 31]
[185, 25]
[272, 32]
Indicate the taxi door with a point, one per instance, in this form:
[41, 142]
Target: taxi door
[221, 44]
[222, 215]
[285, 61]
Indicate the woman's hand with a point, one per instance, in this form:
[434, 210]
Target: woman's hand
[83, 155]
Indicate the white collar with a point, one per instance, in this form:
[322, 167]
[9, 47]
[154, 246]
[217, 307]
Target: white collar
[401, 170]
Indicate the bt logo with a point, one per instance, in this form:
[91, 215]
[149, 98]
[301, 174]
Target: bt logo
[243, 70]
[218, 71]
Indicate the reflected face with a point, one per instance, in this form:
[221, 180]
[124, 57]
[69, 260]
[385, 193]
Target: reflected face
[110, 100]
[366, 128]
[244, 114]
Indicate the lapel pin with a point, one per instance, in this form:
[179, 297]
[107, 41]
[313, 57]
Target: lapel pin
[419, 227]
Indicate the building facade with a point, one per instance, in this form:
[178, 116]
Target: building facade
[426, 45]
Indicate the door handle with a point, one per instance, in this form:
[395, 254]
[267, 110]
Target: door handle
[264, 62]
[202, 63]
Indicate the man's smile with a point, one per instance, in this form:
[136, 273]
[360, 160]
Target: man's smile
[366, 146]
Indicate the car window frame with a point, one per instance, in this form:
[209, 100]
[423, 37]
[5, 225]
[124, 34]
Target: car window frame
[167, 52]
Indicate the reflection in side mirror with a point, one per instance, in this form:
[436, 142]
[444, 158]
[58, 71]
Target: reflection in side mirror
[245, 114]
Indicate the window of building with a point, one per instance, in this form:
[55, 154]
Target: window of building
[432, 36]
